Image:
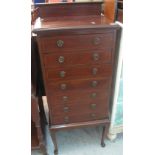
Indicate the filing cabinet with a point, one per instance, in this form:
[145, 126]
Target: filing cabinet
[77, 53]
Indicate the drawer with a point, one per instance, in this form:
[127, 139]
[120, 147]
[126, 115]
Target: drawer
[80, 108]
[78, 97]
[79, 72]
[70, 42]
[84, 84]
[56, 120]
[77, 57]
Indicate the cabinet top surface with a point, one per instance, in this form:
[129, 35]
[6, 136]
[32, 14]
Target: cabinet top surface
[52, 23]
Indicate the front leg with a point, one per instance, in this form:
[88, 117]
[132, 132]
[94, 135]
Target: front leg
[104, 133]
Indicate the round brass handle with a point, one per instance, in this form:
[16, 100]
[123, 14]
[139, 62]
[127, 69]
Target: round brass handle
[93, 106]
[61, 59]
[65, 98]
[66, 119]
[93, 95]
[94, 83]
[95, 56]
[94, 71]
[63, 86]
[60, 43]
[66, 109]
[62, 73]
[97, 40]
[93, 116]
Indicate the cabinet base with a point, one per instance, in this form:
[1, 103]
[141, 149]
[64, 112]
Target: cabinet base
[56, 128]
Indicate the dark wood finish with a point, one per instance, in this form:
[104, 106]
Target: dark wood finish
[77, 72]
[80, 42]
[120, 15]
[120, 11]
[34, 137]
[34, 15]
[102, 139]
[78, 97]
[77, 58]
[56, 120]
[120, 4]
[104, 133]
[86, 84]
[72, 26]
[37, 137]
[79, 125]
[37, 112]
[78, 83]
[75, 109]
[69, 9]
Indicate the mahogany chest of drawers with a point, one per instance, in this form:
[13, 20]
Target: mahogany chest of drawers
[77, 52]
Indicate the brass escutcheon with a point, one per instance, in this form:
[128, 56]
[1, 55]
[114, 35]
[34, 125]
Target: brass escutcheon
[60, 43]
[94, 83]
[93, 106]
[94, 71]
[95, 56]
[65, 98]
[93, 95]
[97, 40]
[62, 73]
[66, 109]
[61, 59]
[66, 119]
[63, 86]
[93, 116]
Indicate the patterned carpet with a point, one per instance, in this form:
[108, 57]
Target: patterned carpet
[85, 141]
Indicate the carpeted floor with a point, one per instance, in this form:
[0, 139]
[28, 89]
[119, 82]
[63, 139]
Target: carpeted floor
[85, 141]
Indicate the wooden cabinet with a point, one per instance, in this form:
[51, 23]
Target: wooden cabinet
[77, 48]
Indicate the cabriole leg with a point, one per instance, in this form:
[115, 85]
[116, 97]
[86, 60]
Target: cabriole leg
[104, 133]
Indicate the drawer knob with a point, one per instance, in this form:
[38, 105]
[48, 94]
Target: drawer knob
[61, 59]
[65, 98]
[94, 83]
[62, 74]
[93, 116]
[60, 43]
[93, 95]
[66, 109]
[63, 86]
[95, 56]
[94, 71]
[66, 119]
[93, 106]
[97, 40]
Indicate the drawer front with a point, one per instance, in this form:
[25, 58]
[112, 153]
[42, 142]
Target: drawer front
[70, 42]
[77, 58]
[77, 97]
[56, 120]
[79, 72]
[80, 108]
[71, 85]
